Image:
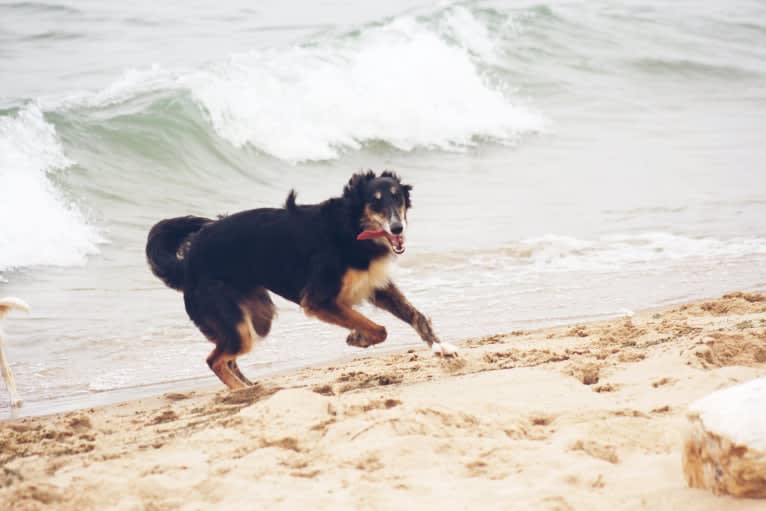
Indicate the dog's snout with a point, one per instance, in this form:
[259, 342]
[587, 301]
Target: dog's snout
[397, 228]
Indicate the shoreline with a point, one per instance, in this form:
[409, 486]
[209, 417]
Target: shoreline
[584, 416]
[208, 382]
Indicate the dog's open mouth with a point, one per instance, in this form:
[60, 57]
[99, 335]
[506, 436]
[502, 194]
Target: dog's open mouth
[396, 241]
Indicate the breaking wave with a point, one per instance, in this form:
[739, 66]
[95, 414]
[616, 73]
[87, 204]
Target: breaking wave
[40, 226]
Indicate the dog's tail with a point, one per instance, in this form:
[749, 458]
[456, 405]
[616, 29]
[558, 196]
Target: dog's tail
[6, 304]
[167, 244]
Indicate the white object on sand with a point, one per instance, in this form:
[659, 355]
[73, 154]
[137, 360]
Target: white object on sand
[725, 447]
[444, 349]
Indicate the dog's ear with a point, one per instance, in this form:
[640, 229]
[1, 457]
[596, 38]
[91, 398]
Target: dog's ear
[391, 174]
[406, 189]
[356, 186]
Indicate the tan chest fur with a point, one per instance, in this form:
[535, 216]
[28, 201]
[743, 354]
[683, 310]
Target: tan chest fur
[358, 285]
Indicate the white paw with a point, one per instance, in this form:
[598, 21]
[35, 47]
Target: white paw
[444, 349]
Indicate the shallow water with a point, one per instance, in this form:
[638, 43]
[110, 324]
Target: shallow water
[570, 161]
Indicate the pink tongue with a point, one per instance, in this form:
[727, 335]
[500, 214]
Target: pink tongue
[366, 235]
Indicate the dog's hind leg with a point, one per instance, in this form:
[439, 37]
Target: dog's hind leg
[220, 363]
[258, 311]
[234, 368]
[392, 300]
[214, 308]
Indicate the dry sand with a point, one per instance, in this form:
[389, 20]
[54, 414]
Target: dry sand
[584, 417]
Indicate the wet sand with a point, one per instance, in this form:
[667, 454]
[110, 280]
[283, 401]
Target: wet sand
[587, 416]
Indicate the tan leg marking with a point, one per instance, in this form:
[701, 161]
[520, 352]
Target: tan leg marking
[238, 373]
[260, 311]
[257, 311]
[345, 316]
[219, 363]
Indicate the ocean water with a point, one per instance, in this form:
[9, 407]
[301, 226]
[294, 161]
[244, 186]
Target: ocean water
[570, 161]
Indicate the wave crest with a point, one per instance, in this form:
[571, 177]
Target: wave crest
[409, 82]
[39, 226]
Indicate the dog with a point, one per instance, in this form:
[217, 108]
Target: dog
[6, 304]
[326, 257]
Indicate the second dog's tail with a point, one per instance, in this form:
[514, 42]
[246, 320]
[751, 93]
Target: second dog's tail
[165, 247]
[9, 303]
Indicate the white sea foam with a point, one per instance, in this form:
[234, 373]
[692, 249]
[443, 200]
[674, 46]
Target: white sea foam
[406, 82]
[627, 252]
[38, 226]
[133, 82]
[636, 251]
[412, 82]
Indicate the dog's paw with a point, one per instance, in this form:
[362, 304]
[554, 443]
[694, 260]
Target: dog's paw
[358, 340]
[361, 341]
[377, 335]
[444, 349]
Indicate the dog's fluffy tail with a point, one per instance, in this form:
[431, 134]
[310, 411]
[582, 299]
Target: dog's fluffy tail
[167, 244]
[9, 303]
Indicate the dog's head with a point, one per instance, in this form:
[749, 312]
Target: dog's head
[383, 202]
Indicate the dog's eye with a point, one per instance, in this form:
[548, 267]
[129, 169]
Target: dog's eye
[378, 195]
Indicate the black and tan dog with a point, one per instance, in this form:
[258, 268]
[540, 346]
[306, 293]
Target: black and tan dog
[327, 257]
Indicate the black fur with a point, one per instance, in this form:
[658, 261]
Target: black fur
[300, 252]
[165, 244]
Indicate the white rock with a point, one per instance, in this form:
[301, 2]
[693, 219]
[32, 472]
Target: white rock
[725, 446]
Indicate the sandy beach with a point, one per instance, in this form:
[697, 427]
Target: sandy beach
[586, 416]
[588, 226]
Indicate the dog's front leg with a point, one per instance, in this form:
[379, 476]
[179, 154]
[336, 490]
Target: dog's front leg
[342, 315]
[392, 300]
